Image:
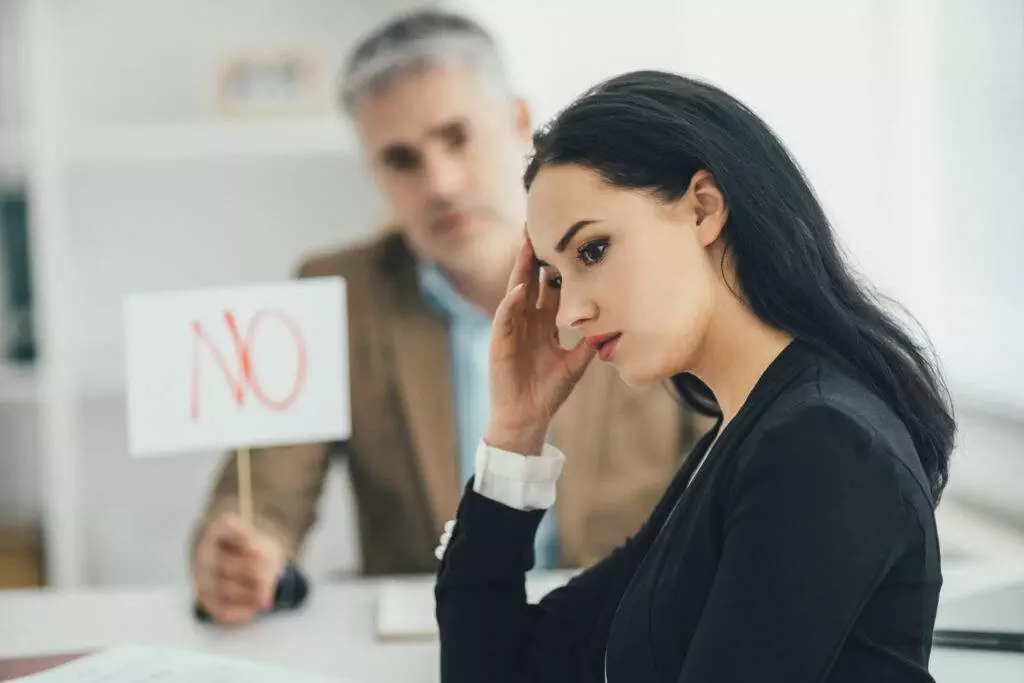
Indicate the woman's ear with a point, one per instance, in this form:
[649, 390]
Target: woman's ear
[708, 205]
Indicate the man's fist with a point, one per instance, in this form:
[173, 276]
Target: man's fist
[236, 569]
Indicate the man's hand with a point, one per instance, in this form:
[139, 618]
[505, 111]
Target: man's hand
[235, 570]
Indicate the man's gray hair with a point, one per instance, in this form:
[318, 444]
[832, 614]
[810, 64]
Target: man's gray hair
[419, 40]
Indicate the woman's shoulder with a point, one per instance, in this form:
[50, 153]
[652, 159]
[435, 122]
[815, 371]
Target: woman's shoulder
[826, 397]
[828, 424]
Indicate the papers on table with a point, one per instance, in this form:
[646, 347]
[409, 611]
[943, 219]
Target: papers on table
[406, 606]
[136, 664]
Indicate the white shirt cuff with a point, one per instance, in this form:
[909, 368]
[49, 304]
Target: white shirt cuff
[518, 481]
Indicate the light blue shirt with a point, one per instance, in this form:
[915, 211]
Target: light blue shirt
[469, 340]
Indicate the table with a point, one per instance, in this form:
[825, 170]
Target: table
[334, 633]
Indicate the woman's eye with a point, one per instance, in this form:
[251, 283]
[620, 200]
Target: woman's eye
[555, 282]
[591, 253]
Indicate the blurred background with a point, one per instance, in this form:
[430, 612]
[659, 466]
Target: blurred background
[150, 144]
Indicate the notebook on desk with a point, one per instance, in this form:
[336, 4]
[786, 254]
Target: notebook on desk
[406, 606]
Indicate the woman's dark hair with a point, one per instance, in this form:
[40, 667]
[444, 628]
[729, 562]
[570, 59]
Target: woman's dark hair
[653, 131]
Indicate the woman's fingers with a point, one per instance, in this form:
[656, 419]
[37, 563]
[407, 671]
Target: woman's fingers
[547, 301]
[578, 358]
[524, 263]
[532, 276]
[526, 271]
[511, 309]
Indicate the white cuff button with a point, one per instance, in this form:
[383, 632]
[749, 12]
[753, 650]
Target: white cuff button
[449, 528]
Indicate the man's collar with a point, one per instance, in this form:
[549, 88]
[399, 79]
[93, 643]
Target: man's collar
[439, 294]
[400, 261]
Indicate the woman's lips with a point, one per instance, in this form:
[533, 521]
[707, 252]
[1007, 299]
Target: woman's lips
[604, 344]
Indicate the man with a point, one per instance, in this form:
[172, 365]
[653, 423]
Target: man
[446, 140]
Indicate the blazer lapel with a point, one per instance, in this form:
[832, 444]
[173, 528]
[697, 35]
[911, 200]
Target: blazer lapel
[419, 340]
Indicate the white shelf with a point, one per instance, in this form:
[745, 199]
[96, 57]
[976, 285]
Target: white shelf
[169, 142]
[18, 383]
[12, 156]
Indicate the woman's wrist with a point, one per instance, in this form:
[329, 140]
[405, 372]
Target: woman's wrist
[522, 440]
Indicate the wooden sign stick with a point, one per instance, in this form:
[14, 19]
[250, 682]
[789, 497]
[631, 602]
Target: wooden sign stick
[244, 485]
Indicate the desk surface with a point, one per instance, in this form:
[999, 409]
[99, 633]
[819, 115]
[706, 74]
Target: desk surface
[334, 633]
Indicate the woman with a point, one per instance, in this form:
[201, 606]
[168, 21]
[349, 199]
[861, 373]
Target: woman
[668, 225]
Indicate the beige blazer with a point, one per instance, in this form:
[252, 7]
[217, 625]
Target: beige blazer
[622, 446]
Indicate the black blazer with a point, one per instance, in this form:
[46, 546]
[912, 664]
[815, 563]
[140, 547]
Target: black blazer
[804, 550]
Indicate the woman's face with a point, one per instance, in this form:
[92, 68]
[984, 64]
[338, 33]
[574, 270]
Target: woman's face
[638, 276]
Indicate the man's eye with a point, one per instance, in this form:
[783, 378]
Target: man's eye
[402, 159]
[456, 135]
[592, 253]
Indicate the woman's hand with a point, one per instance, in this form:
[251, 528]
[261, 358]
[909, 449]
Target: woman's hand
[531, 375]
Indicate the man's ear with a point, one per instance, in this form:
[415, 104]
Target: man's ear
[524, 120]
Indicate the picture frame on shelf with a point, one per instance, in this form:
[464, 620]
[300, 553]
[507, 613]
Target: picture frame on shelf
[272, 83]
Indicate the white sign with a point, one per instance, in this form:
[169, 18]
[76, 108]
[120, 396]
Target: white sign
[238, 367]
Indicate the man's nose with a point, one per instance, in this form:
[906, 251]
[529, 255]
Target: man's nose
[444, 176]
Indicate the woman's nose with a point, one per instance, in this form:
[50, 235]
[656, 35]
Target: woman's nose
[574, 310]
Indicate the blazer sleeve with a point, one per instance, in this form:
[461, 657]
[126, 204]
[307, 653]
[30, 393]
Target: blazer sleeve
[488, 630]
[815, 518]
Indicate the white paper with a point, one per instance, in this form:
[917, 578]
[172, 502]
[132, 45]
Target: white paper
[137, 664]
[237, 367]
[406, 607]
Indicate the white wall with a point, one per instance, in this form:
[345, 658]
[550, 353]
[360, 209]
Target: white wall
[981, 95]
[10, 64]
[556, 50]
[988, 469]
[981, 123]
[11, 114]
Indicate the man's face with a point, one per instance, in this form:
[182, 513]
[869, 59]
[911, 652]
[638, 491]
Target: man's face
[447, 153]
